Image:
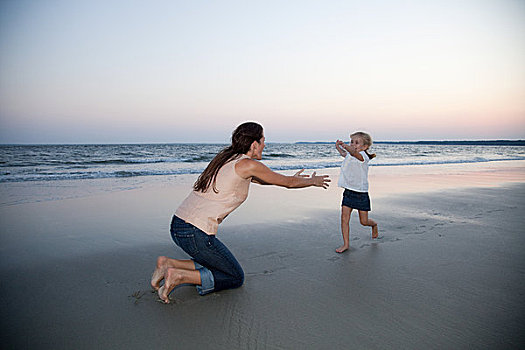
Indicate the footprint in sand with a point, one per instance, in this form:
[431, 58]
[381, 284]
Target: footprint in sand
[265, 272]
[263, 255]
[137, 295]
[493, 211]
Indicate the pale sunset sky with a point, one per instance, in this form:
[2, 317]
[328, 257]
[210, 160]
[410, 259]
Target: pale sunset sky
[105, 71]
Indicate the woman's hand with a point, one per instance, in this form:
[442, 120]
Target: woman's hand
[318, 181]
[260, 173]
[298, 174]
[321, 180]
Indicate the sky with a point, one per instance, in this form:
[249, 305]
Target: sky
[190, 71]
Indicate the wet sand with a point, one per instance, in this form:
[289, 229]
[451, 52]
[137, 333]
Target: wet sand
[448, 272]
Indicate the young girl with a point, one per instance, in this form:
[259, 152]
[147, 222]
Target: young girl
[354, 179]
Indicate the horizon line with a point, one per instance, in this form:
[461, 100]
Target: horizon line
[458, 141]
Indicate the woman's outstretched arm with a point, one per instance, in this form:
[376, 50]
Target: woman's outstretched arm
[260, 173]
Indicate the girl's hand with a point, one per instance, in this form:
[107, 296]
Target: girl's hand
[339, 146]
[321, 180]
[348, 147]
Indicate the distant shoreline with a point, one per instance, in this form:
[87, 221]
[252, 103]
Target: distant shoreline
[458, 143]
[464, 142]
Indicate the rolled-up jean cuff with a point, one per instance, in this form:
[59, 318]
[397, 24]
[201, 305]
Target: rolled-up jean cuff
[207, 280]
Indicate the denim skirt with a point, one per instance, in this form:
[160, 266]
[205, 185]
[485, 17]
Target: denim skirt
[356, 200]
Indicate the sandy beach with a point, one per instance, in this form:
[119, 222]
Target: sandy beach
[448, 271]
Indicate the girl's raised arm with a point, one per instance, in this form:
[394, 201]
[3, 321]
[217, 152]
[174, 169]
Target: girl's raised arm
[338, 147]
[353, 152]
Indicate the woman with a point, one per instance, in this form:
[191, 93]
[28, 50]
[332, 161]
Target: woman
[219, 190]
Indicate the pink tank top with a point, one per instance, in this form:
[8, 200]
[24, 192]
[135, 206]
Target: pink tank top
[206, 210]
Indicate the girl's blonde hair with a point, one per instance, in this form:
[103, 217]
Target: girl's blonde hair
[367, 140]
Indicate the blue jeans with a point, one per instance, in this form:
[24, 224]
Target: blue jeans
[218, 267]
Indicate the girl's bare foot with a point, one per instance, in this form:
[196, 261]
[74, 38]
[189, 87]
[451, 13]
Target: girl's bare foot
[173, 277]
[160, 270]
[341, 249]
[375, 232]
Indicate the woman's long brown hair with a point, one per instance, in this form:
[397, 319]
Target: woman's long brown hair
[242, 139]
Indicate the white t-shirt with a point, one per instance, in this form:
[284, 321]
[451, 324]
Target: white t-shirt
[354, 173]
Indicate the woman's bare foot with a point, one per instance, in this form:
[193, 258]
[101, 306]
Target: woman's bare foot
[160, 270]
[173, 277]
[160, 291]
[341, 249]
[375, 232]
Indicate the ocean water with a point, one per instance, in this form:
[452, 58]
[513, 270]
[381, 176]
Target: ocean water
[24, 163]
